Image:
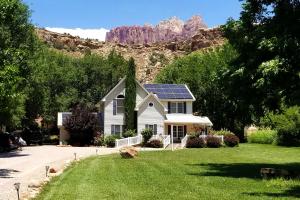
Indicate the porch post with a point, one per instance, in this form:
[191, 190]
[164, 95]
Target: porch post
[172, 142]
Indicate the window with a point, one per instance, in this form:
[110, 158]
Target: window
[177, 107]
[153, 127]
[178, 131]
[116, 129]
[120, 104]
[151, 104]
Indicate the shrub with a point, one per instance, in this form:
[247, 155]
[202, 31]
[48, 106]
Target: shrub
[193, 135]
[287, 125]
[147, 134]
[99, 140]
[262, 136]
[195, 142]
[110, 140]
[213, 142]
[129, 133]
[81, 125]
[231, 140]
[155, 143]
[221, 132]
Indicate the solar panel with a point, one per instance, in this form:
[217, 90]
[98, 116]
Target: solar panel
[169, 91]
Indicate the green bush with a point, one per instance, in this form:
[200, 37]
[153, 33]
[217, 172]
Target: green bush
[287, 125]
[147, 134]
[262, 136]
[231, 140]
[129, 133]
[221, 132]
[99, 140]
[155, 143]
[195, 142]
[110, 140]
[213, 142]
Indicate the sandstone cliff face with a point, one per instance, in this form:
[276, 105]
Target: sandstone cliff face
[172, 29]
[149, 58]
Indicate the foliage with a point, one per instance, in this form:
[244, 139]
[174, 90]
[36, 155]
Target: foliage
[58, 81]
[202, 72]
[99, 140]
[129, 133]
[147, 134]
[81, 125]
[234, 173]
[213, 142]
[195, 142]
[231, 140]
[155, 143]
[130, 96]
[262, 136]
[221, 132]
[287, 125]
[17, 44]
[265, 73]
[110, 140]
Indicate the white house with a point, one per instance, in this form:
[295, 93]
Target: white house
[160, 107]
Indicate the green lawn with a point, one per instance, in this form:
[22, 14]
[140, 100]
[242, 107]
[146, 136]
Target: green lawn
[224, 173]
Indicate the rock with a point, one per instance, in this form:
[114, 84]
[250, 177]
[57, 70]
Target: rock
[52, 170]
[128, 152]
[273, 173]
[172, 29]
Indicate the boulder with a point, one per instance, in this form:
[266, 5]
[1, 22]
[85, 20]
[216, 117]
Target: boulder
[128, 152]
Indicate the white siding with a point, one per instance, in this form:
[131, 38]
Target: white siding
[151, 115]
[118, 119]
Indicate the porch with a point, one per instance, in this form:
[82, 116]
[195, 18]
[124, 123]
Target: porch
[178, 125]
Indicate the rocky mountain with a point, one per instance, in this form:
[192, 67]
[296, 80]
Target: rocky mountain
[149, 58]
[172, 29]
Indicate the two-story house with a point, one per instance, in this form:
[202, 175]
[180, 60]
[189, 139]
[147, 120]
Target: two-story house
[160, 107]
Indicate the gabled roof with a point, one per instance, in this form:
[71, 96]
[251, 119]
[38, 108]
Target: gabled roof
[120, 82]
[170, 91]
[146, 99]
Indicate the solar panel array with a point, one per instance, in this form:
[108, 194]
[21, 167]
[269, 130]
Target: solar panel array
[169, 91]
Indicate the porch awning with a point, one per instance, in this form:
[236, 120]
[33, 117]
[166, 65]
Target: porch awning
[187, 119]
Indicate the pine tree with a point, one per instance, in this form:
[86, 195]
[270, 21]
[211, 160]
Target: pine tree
[130, 95]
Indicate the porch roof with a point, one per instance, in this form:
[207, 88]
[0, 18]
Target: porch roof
[187, 119]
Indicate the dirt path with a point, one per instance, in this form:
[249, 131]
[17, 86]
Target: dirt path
[29, 164]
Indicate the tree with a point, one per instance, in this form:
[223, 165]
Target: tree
[130, 95]
[265, 73]
[17, 44]
[202, 72]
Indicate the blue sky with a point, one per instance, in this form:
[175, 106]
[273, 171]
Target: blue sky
[95, 14]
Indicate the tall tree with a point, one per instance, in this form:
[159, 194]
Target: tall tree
[266, 72]
[130, 95]
[17, 45]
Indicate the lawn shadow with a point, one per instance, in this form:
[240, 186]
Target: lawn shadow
[12, 154]
[289, 192]
[240, 170]
[6, 173]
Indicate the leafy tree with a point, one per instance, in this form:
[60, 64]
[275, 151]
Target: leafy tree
[202, 72]
[265, 73]
[130, 96]
[17, 44]
[81, 125]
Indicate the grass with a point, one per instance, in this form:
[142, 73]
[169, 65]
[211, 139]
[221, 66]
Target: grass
[224, 173]
[263, 136]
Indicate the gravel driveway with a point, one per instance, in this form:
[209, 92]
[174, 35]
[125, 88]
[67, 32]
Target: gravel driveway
[29, 164]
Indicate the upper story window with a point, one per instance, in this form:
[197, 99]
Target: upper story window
[177, 107]
[120, 104]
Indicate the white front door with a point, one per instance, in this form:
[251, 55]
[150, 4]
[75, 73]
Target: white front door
[178, 132]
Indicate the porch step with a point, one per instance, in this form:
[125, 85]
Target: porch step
[176, 146]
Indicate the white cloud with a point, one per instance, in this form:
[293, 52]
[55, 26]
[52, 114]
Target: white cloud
[83, 33]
